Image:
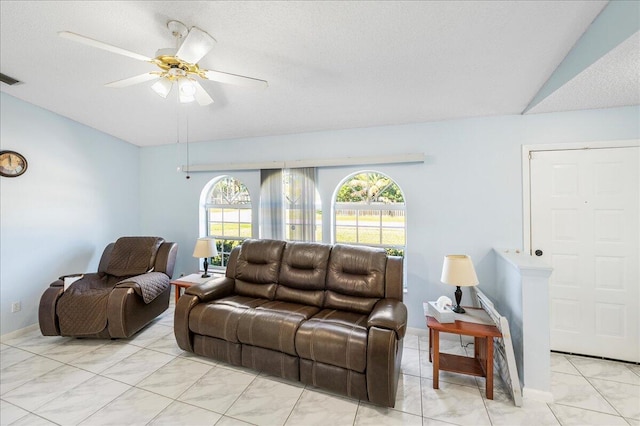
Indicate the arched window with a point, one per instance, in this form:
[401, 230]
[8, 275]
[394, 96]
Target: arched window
[369, 209]
[228, 216]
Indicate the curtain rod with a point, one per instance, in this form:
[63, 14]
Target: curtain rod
[315, 162]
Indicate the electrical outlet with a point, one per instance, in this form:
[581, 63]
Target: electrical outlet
[16, 307]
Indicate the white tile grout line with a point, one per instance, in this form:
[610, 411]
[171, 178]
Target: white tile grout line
[30, 328]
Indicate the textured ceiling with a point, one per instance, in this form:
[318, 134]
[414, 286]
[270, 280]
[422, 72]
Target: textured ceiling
[614, 79]
[330, 65]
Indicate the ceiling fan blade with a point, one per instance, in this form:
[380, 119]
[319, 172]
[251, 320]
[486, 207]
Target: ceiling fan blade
[197, 44]
[104, 46]
[133, 80]
[239, 80]
[201, 95]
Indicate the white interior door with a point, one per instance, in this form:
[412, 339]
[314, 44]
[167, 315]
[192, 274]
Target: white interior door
[585, 224]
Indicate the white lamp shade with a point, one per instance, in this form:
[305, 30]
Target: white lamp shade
[186, 90]
[458, 270]
[205, 248]
[162, 87]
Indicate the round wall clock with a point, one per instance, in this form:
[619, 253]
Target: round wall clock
[12, 164]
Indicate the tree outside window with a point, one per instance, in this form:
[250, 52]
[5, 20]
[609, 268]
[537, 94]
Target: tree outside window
[370, 210]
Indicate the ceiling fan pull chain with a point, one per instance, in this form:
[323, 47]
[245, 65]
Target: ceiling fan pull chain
[188, 176]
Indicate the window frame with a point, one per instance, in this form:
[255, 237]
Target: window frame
[380, 208]
[336, 206]
[230, 241]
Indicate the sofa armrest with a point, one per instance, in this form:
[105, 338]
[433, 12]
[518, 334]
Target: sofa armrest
[389, 314]
[148, 286]
[184, 336]
[213, 289]
[61, 278]
[60, 282]
[193, 296]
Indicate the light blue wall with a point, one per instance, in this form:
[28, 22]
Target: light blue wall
[84, 189]
[465, 198]
[79, 193]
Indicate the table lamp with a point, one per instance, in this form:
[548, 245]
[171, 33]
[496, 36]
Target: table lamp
[458, 270]
[205, 248]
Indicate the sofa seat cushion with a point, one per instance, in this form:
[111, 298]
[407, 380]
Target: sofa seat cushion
[336, 338]
[220, 317]
[336, 379]
[273, 325]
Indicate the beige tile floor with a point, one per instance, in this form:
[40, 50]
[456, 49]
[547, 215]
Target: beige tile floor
[148, 380]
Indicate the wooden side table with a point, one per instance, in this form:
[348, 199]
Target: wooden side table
[193, 279]
[181, 284]
[480, 365]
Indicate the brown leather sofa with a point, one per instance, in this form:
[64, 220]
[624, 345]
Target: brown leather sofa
[129, 290]
[328, 316]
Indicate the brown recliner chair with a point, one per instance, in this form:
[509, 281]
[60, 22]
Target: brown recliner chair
[130, 289]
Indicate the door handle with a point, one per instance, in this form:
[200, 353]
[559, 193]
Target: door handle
[538, 252]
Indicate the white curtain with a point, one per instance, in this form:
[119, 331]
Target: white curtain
[288, 204]
[271, 205]
[301, 204]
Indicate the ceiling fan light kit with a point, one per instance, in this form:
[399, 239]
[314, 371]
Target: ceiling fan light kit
[177, 65]
[162, 87]
[186, 90]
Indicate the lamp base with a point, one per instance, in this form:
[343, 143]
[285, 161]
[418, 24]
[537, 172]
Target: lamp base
[458, 309]
[206, 266]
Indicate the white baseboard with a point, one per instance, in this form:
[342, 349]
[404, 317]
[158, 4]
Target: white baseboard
[418, 331]
[536, 394]
[20, 332]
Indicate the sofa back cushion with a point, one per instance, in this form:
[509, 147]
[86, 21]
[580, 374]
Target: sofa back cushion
[257, 268]
[303, 273]
[355, 278]
[133, 256]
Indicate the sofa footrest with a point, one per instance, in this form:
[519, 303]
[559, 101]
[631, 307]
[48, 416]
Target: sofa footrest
[217, 349]
[336, 379]
[272, 362]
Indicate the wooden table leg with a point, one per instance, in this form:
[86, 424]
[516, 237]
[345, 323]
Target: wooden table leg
[436, 358]
[430, 334]
[489, 369]
[177, 293]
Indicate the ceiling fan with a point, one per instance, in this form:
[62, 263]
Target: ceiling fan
[177, 65]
